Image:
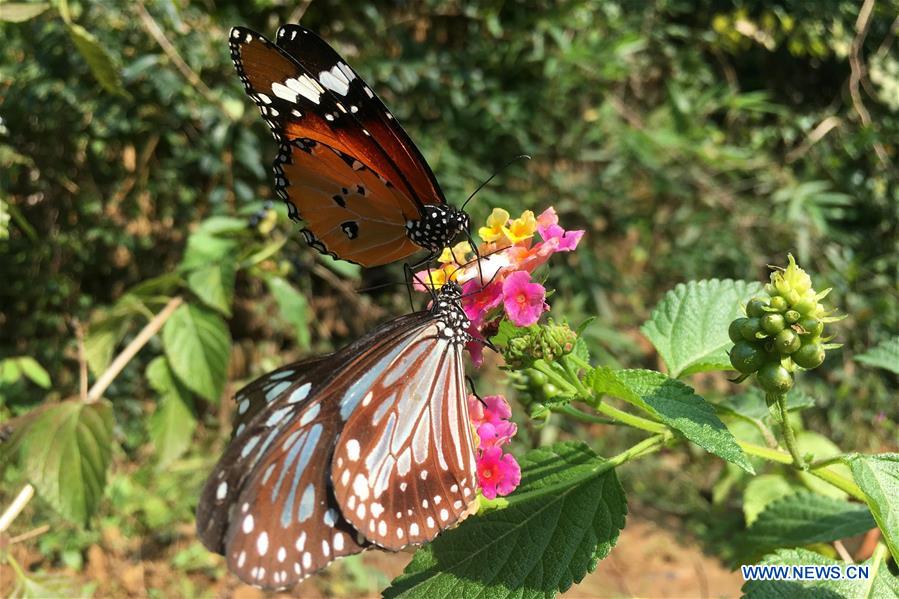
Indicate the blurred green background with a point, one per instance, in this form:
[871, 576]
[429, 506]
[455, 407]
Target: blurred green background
[691, 139]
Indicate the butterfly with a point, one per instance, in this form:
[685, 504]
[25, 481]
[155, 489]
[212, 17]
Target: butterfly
[345, 166]
[368, 446]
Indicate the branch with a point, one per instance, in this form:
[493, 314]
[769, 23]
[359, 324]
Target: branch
[16, 507]
[858, 70]
[147, 333]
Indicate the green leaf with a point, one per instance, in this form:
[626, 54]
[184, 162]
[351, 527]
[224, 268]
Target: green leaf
[214, 284]
[173, 423]
[564, 517]
[763, 490]
[98, 59]
[804, 518]
[19, 12]
[820, 448]
[884, 355]
[347, 270]
[675, 404]
[689, 326]
[293, 306]
[203, 248]
[222, 224]
[881, 584]
[197, 344]
[878, 477]
[751, 403]
[65, 453]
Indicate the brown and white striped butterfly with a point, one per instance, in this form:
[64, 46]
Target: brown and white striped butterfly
[368, 446]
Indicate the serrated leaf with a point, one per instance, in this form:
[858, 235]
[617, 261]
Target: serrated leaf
[98, 59]
[65, 453]
[804, 518]
[884, 355]
[878, 477]
[197, 344]
[19, 12]
[689, 326]
[214, 284]
[820, 448]
[881, 584]
[564, 517]
[674, 403]
[293, 306]
[763, 490]
[172, 425]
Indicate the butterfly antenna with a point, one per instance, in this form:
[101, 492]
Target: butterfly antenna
[474, 391]
[501, 169]
[474, 248]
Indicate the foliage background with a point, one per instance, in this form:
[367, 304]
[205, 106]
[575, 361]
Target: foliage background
[692, 139]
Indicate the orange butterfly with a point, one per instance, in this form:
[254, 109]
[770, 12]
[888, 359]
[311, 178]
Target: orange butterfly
[345, 165]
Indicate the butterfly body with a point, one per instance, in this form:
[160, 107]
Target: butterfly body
[370, 445]
[340, 146]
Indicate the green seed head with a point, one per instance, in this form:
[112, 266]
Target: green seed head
[809, 356]
[773, 323]
[786, 342]
[774, 378]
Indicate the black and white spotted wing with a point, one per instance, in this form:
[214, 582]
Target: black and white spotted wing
[333, 442]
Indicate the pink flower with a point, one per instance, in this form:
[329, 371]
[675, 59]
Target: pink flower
[495, 435]
[523, 300]
[498, 474]
[494, 409]
[477, 301]
[549, 229]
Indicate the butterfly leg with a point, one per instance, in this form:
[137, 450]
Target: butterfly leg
[474, 391]
[477, 254]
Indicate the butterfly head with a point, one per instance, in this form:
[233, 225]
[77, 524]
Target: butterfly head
[438, 227]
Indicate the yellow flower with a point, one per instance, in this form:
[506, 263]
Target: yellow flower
[496, 224]
[522, 228]
[458, 255]
[433, 279]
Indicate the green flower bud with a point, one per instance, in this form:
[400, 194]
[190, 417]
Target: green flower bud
[792, 316]
[756, 307]
[774, 378]
[806, 305]
[812, 327]
[779, 304]
[546, 342]
[809, 356]
[786, 342]
[733, 331]
[772, 323]
[791, 279]
[749, 328]
[747, 358]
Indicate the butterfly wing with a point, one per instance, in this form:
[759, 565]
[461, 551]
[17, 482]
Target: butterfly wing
[404, 467]
[334, 192]
[269, 505]
[334, 73]
[297, 106]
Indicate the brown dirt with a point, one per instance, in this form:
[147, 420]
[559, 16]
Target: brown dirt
[648, 561]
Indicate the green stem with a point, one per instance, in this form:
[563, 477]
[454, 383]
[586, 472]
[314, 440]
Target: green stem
[573, 412]
[554, 377]
[643, 448]
[789, 436]
[834, 478]
[643, 424]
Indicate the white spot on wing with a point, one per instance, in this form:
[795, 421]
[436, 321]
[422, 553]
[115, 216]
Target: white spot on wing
[352, 449]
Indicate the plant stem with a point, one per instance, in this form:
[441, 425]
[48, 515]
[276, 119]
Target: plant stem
[789, 436]
[775, 455]
[117, 365]
[633, 420]
[573, 412]
[16, 507]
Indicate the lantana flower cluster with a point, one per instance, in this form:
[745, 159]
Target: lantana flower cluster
[498, 473]
[499, 283]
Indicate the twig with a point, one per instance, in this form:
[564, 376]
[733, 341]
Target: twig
[857, 67]
[147, 333]
[841, 549]
[816, 135]
[34, 532]
[157, 33]
[15, 508]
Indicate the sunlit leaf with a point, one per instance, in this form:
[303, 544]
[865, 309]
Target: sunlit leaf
[197, 344]
[101, 63]
[173, 423]
[65, 453]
